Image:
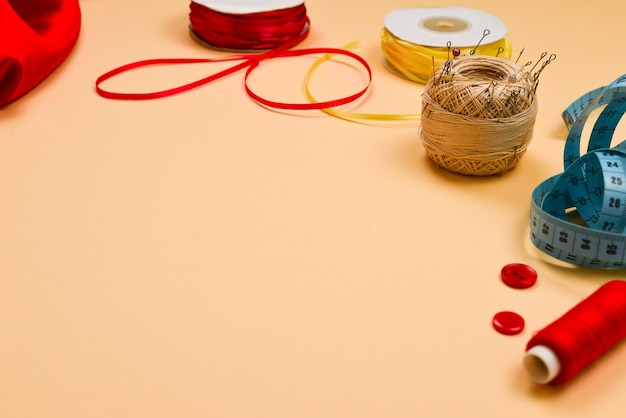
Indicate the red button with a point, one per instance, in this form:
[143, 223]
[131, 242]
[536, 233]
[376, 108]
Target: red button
[508, 323]
[519, 276]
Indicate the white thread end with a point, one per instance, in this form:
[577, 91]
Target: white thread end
[541, 364]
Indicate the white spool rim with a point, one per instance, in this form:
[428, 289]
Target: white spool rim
[436, 26]
[541, 364]
[248, 6]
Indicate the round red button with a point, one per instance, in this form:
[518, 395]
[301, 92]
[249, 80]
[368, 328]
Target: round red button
[508, 323]
[519, 276]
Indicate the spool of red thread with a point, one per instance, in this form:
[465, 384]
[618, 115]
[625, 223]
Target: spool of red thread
[558, 352]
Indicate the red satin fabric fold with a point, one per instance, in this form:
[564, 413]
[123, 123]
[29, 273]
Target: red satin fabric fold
[37, 35]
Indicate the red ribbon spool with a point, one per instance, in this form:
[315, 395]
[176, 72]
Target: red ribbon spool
[274, 32]
[259, 31]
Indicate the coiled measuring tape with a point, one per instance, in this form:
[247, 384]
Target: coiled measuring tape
[579, 216]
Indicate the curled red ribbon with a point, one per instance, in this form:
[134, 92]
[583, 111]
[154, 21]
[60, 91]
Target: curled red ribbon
[271, 24]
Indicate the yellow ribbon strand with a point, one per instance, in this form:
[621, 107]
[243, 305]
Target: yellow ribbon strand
[353, 116]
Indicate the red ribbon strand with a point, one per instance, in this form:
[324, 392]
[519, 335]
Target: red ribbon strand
[273, 32]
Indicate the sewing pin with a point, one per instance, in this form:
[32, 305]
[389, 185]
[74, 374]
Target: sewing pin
[485, 33]
[543, 66]
[490, 93]
[548, 61]
[520, 55]
[543, 55]
[445, 70]
[512, 101]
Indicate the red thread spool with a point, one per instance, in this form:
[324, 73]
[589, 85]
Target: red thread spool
[258, 31]
[558, 352]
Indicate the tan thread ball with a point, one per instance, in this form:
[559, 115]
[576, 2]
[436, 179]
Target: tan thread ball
[478, 114]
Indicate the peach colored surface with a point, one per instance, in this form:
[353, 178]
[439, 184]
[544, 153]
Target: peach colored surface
[202, 256]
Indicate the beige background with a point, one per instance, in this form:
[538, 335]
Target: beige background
[202, 256]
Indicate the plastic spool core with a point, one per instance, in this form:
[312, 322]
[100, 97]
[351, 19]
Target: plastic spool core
[541, 364]
[444, 24]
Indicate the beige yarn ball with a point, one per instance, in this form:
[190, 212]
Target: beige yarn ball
[478, 115]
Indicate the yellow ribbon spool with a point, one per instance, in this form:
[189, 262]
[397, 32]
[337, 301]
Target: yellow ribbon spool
[415, 41]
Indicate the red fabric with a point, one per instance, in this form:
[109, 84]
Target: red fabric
[37, 35]
[586, 331]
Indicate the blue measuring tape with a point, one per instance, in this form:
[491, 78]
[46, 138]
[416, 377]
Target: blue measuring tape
[579, 216]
